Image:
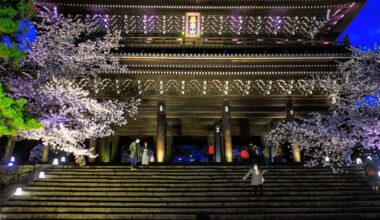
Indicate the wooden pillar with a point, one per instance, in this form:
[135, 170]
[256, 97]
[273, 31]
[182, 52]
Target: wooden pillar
[94, 150]
[290, 117]
[45, 154]
[226, 129]
[104, 149]
[115, 149]
[218, 144]
[296, 151]
[161, 133]
[169, 148]
[289, 110]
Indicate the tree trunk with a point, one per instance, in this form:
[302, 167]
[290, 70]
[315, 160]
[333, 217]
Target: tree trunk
[9, 149]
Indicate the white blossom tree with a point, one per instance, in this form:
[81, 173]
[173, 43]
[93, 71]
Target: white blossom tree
[56, 78]
[352, 120]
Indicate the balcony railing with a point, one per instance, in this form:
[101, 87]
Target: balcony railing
[230, 42]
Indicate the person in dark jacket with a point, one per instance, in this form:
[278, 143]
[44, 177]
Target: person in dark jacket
[135, 150]
[254, 153]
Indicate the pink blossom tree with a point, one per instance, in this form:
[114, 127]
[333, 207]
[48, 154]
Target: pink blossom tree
[57, 78]
[352, 119]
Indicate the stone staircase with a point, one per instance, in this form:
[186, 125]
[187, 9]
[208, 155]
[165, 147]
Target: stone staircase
[194, 192]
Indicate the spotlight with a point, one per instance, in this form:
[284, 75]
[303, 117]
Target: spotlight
[18, 192]
[55, 161]
[327, 159]
[369, 158]
[63, 159]
[10, 164]
[12, 159]
[359, 161]
[41, 175]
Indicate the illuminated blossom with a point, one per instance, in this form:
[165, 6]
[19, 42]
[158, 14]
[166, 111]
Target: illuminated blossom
[57, 78]
[352, 120]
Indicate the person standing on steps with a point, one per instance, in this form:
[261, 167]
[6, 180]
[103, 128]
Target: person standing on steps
[145, 155]
[211, 152]
[135, 151]
[253, 153]
[257, 179]
[347, 156]
[80, 160]
[266, 156]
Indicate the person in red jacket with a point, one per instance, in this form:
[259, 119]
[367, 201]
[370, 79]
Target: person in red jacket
[211, 152]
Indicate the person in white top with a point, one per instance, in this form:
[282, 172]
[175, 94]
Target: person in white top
[145, 156]
[257, 179]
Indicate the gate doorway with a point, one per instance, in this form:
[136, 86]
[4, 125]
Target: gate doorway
[190, 149]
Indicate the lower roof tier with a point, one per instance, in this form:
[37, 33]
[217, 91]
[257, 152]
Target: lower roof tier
[232, 62]
[203, 86]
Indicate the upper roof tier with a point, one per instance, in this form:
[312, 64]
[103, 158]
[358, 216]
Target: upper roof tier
[237, 3]
[312, 19]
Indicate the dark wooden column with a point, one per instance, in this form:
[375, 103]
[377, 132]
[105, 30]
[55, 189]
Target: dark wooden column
[226, 129]
[45, 154]
[289, 110]
[290, 117]
[161, 132]
[218, 143]
[105, 149]
[115, 149]
[169, 148]
[93, 146]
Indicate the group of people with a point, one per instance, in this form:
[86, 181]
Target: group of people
[138, 154]
[255, 154]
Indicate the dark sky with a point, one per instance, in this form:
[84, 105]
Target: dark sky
[365, 29]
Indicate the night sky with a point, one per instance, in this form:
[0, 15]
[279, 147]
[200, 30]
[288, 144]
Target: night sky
[364, 31]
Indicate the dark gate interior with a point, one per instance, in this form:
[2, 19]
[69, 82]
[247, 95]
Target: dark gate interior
[190, 149]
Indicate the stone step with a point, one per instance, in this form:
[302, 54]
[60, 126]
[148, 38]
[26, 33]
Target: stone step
[182, 192]
[194, 185]
[302, 216]
[200, 166]
[190, 166]
[264, 216]
[200, 193]
[222, 198]
[268, 204]
[96, 216]
[220, 180]
[189, 189]
[168, 170]
[188, 210]
[225, 173]
[198, 177]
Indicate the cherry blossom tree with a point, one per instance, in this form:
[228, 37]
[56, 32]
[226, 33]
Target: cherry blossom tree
[353, 116]
[57, 78]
